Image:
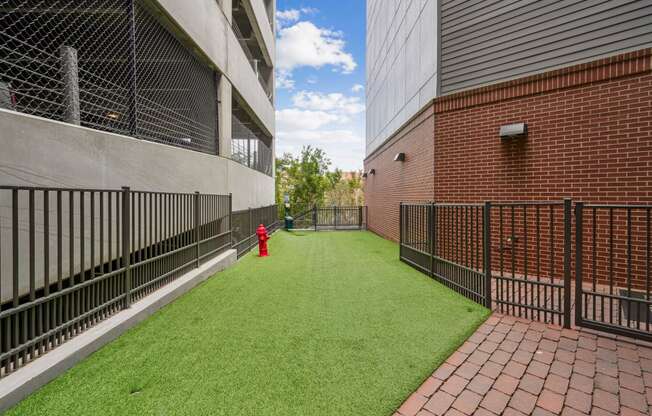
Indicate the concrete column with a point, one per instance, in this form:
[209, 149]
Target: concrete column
[70, 85]
[224, 111]
[227, 8]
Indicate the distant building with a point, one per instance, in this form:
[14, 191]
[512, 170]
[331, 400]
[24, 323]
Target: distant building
[445, 79]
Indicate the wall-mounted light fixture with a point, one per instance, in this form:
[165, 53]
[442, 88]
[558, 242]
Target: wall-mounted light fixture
[372, 172]
[364, 174]
[400, 157]
[516, 130]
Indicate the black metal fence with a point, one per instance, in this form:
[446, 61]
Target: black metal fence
[70, 258]
[518, 258]
[332, 218]
[106, 64]
[245, 223]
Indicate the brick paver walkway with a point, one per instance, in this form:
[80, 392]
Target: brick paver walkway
[513, 366]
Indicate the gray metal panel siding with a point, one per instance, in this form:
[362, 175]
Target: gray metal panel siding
[486, 41]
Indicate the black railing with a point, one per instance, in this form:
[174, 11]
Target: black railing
[332, 218]
[518, 258]
[246, 222]
[70, 258]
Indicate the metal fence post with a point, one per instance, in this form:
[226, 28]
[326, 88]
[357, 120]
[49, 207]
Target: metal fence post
[579, 248]
[400, 230]
[567, 262]
[335, 216]
[126, 241]
[314, 216]
[197, 225]
[70, 72]
[231, 217]
[487, 253]
[431, 237]
[359, 218]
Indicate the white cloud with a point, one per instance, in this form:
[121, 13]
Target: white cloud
[305, 44]
[285, 17]
[334, 102]
[357, 88]
[284, 80]
[297, 119]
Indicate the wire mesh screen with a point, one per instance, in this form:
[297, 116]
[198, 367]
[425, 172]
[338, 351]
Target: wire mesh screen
[248, 148]
[108, 65]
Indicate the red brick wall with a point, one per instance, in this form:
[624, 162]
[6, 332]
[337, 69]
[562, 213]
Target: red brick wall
[589, 138]
[394, 182]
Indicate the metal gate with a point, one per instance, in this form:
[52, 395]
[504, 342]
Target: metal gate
[612, 268]
[332, 218]
[513, 257]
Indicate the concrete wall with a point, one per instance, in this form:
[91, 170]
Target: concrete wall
[37, 151]
[41, 152]
[401, 64]
[206, 25]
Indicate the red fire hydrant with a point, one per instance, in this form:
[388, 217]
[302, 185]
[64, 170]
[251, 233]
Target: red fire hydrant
[261, 232]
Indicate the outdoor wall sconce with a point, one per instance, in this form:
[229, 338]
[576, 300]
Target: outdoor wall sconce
[372, 172]
[364, 174]
[510, 131]
[400, 157]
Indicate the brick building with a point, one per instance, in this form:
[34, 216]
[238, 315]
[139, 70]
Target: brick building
[444, 77]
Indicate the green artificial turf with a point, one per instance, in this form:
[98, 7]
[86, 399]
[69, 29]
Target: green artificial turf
[331, 324]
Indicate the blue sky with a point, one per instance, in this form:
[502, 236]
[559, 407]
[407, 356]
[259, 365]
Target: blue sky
[320, 97]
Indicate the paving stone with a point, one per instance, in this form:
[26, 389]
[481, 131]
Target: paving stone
[606, 401]
[439, 403]
[480, 384]
[552, 334]
[512, 412]
[491, 369]
[522, 357]
[550, 401]
[500, 357]
[515, 336]
[531, 346]
[467, 402]
[606, 383]
[567, 345]
[631, 382]
[587, 343]
[538, 369]
[467, 370]
[565, 356]
[631, 367]
[634, 400]
[503, 327]
[412, 405]
[533, 336]
[506, 384]
[453, 412]
[523, 401]
[509, 346]
[444, 371]
[646, 364]
[604, 342]
[520, 327]
[457, 358]
[468, 347]
[495, 401]
[626, 411]
[514, 369]
[531, 384]
[578, 400]
[585, 355]
[607, 368]
[548, 345]
[538, 411]
[544, 357]
[488, 346]
[496, 337]
[627, 352]
[569, 411]
[581, 383]
[570, 334]
[584, 368]
[454, 385]
[430, 386]
[606, 355]
[561, 369]
[478, 357]
[556, 383]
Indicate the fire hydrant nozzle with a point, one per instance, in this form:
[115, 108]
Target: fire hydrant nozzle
[261, 232]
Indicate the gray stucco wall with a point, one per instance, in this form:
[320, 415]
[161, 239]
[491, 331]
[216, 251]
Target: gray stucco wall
[40, 152]
[484, 41]
[401, 64]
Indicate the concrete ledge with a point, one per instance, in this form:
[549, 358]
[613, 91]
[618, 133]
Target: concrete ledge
[26, 380]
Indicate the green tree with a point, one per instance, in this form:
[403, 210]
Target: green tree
[305, 179]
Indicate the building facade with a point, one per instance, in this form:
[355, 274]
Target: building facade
[443, 77]
[158, 95]
[155, 94]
